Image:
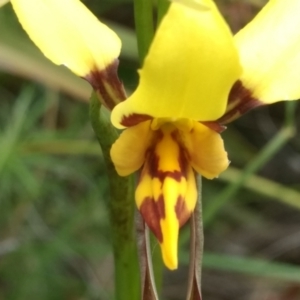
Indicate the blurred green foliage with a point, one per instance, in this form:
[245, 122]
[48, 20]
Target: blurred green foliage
[54, 236]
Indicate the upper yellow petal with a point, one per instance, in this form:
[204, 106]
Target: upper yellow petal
[191, 66]
[269, 48]
[68, 34]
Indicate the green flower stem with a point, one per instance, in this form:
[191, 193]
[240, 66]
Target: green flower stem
[283, 136]
[121, 209]
[143, 14]
[162, 8]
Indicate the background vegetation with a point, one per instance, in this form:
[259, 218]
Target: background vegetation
[54, 234]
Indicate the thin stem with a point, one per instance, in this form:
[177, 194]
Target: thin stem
[290, 116]
[121, 209]
[143, 15]
[162, 8]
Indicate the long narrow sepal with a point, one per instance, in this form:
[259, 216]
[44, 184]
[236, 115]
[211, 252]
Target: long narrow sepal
[148, 288]
[196, 250]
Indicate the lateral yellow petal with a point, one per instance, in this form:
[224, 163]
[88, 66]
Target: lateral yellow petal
[269, 48]
[68, 34]
[206, 151]
[128, 152]
[191, 66]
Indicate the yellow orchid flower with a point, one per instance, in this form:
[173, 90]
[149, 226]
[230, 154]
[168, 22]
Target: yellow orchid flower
[69, 34]
[195, 78]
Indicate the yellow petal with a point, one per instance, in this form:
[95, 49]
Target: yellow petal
[191, 66]
[128, 152]
[68, 34]
[269, 48]
[206, 151]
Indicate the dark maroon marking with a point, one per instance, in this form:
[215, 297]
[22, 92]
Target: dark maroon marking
[152, 161]
[182, 213]
[183, 158]
[241, 100]
[109, 76]
[214, 126]
[155, 172]
[152, 213]
[134, 119]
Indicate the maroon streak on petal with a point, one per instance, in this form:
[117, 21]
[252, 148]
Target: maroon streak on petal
[182, 213]
[216, 126]
[106, 82]
[240, 101]
[153, 164]
[134, 119]
[152, 213]
[155, 172]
